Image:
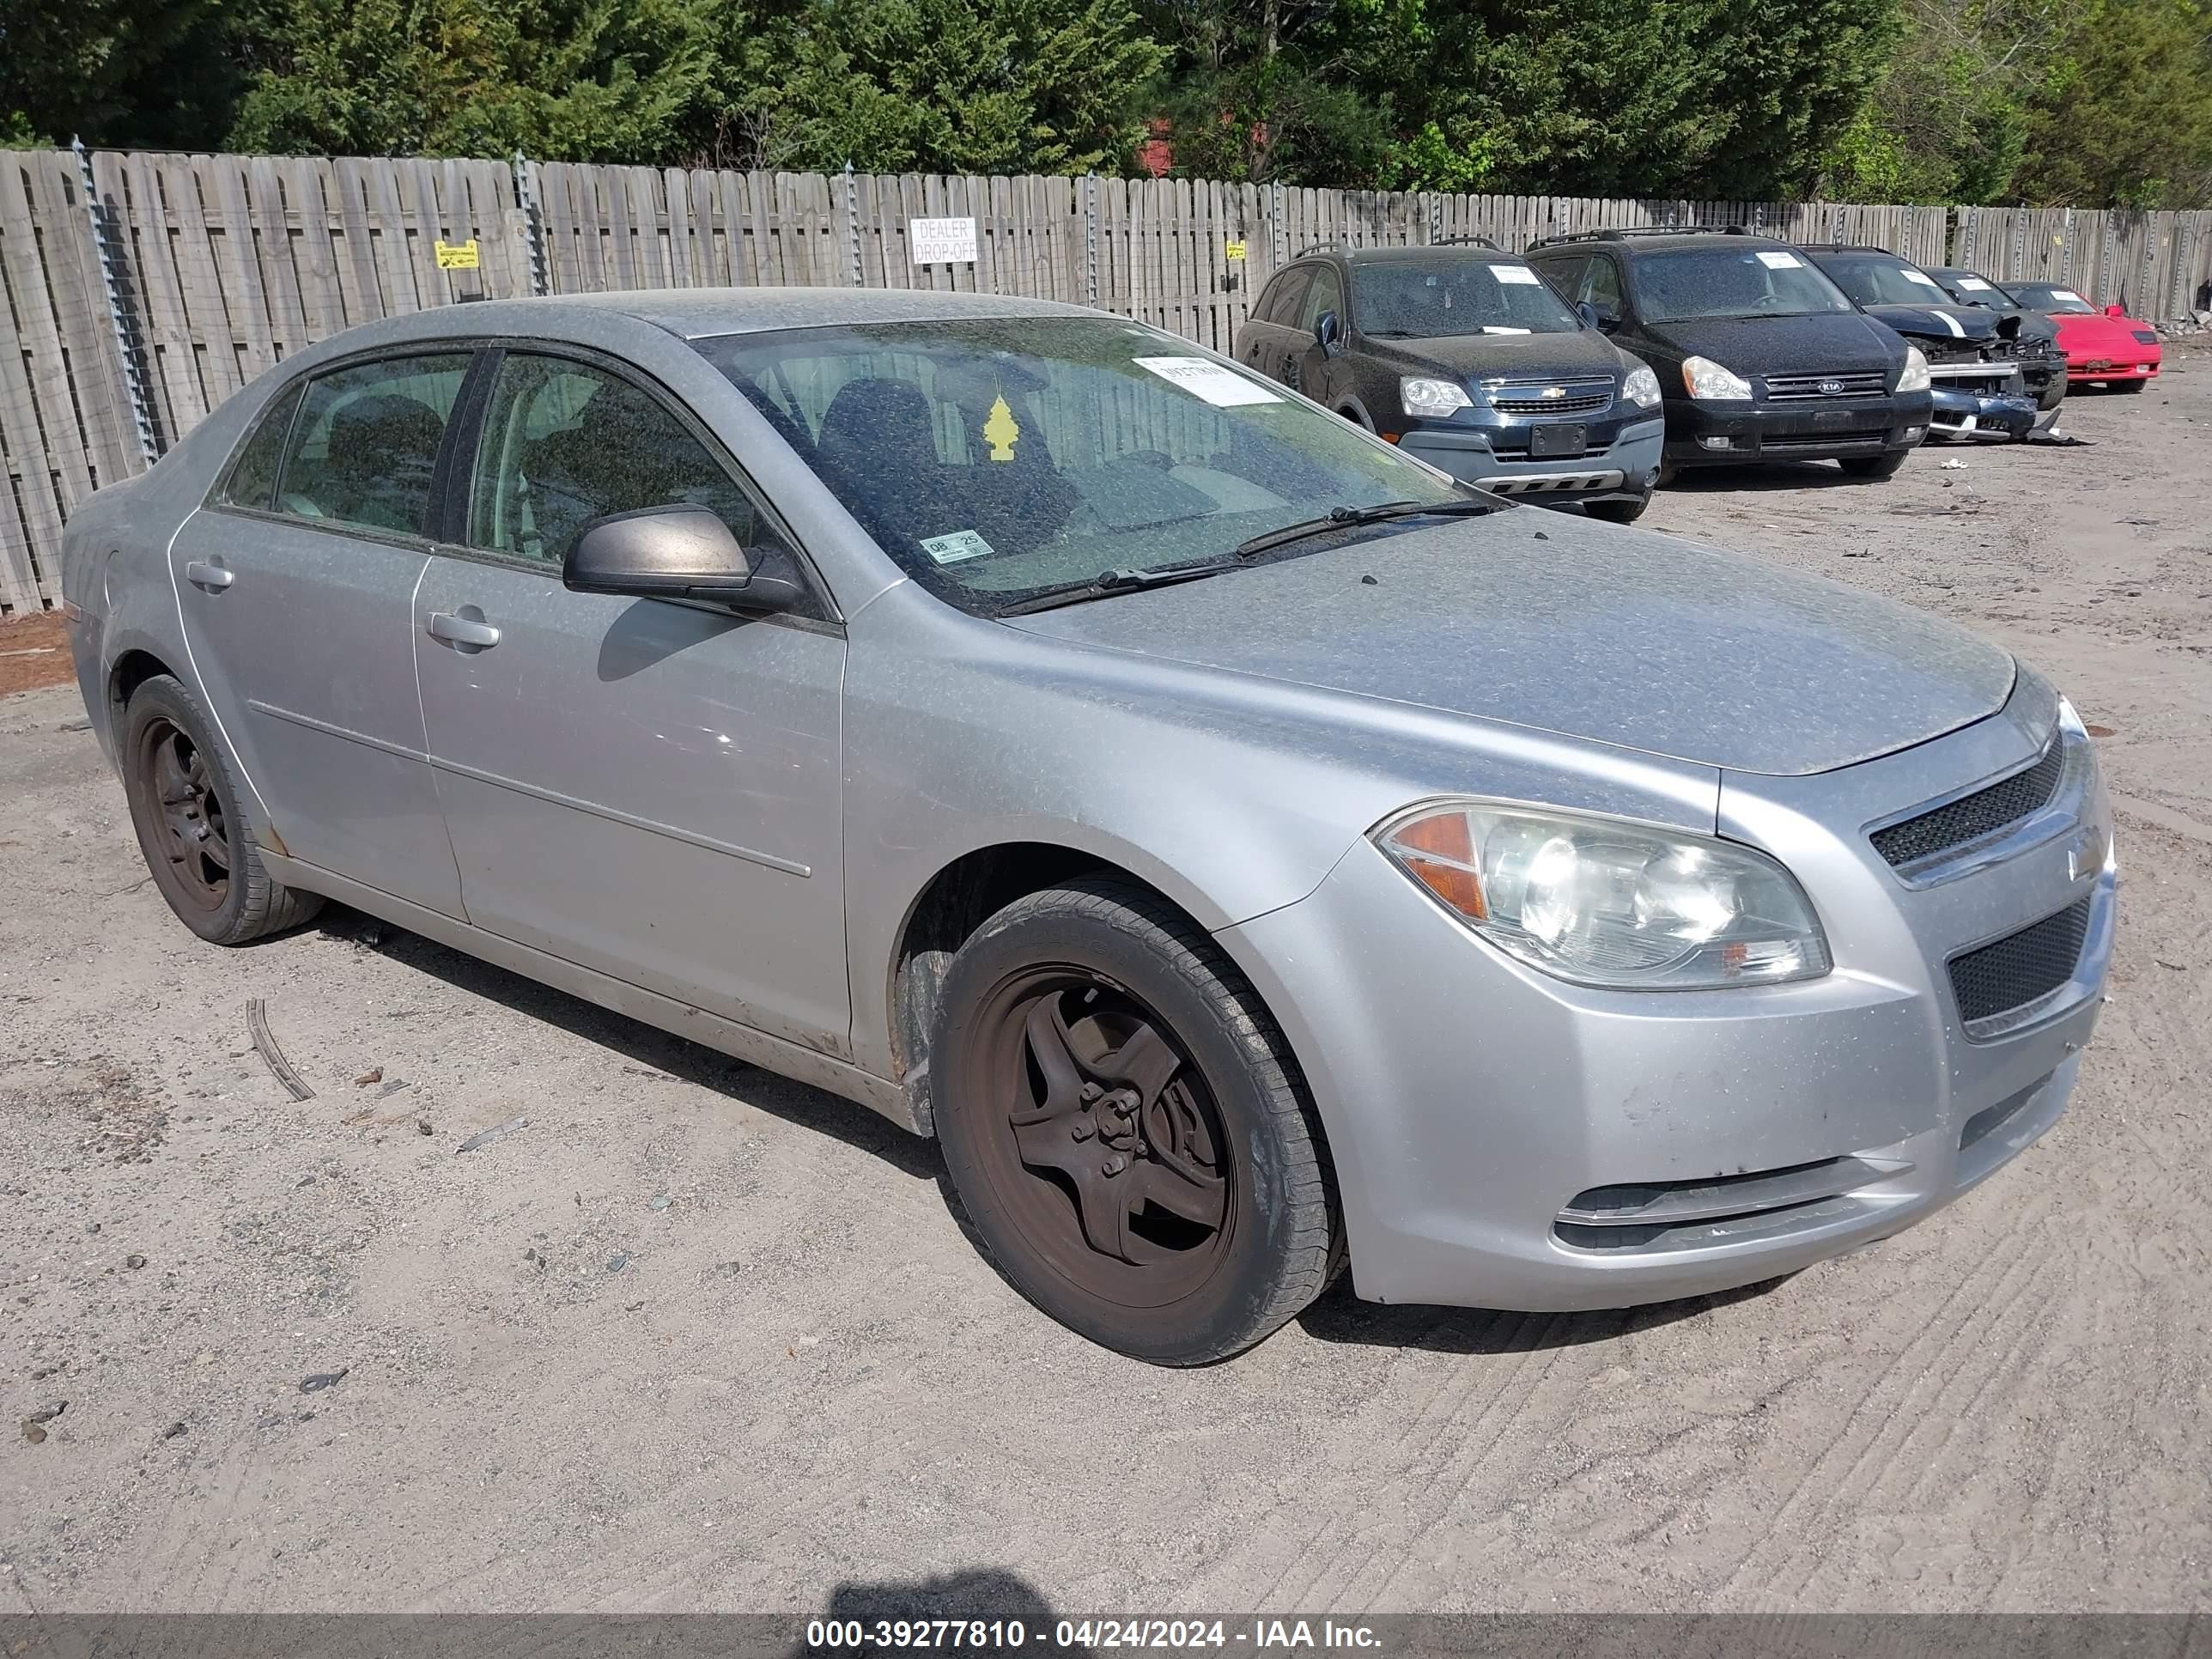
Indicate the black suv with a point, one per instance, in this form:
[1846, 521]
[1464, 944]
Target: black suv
[1458, 353]
[1759, 355]
[1997, 375]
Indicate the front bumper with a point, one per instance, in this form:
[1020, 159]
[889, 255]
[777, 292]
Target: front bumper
[1721, 435]
[2006, 418]
[1627, 466]
[2099, 369]
[1481, 1112]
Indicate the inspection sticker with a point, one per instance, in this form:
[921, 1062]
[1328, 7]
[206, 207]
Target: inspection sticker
[955, 546]
[1775, 259]
[1520, 274]
[1222, 387]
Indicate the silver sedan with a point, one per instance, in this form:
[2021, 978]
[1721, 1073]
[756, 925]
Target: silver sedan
[1244, 849]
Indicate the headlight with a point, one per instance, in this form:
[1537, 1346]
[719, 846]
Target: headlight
[1602, 902]
[1707, 379]
[1641, 388]
[1915, 376]
[1422, 396]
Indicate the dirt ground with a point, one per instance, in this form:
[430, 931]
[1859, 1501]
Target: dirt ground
[698, 1338]
[34, 652]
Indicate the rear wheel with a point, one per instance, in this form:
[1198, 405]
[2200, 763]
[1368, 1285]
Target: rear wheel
[1124, 1126]
[1875, 466]
[1617, 512]
[185, 806]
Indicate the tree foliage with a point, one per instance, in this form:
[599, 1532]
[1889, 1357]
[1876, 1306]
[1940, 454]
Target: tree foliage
[2091, 102]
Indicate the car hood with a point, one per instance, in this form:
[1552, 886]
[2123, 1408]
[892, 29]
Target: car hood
[1947, 324]
[1534, 619]
[1834, 342]
[2113, 336]
[1476, 357]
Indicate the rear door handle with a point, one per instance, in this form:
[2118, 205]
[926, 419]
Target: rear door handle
[213, 577]
[462, 630]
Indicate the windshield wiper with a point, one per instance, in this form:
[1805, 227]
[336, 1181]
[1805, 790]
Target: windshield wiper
[1121, 580]
[1343, 518]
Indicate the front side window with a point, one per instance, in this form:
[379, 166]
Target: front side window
[1727, 279]
[1601, 289]
[1325, 294]
[366, 442]
[995, 459]
[253, 478]
[565, 442]
[1433, 298]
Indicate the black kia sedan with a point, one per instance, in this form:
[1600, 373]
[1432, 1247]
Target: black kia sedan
[1460, 353]
[1759, 357]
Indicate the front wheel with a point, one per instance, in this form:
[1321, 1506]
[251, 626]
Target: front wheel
[1126, 1127]
[1874, 466]
[1617, 512]
[2128, 386]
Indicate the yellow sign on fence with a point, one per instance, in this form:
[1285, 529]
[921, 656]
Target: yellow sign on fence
[1232, 249]
[457, 256]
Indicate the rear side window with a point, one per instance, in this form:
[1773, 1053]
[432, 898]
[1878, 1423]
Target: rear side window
[365, 441]
[565, 443]
[253, 478]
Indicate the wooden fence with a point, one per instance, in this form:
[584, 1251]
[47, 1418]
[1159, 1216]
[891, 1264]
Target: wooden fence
[222, 266]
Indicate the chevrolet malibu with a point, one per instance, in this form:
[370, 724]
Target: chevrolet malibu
[1246, 850]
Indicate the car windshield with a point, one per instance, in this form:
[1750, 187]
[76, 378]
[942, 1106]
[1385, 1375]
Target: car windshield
[998, 458]
[1434, 297]
[1883, 279]
[2042, 296]
[1676, 285]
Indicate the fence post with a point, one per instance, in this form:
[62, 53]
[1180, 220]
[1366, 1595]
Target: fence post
[1091, 239]
[852, 227]
[525, 193]
[1279, 233]
[134, 383]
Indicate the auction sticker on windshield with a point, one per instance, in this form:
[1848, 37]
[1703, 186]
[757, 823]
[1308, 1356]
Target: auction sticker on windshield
[1973, 285]
[1521, 274]
[1222, 387]
[1775, 259]
[1922, 278]
[955, 546]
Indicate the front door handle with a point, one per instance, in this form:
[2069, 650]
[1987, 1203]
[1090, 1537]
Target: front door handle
[462, 630]
[213, 577]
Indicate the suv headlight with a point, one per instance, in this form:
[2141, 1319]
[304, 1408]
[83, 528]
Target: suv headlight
[1599, 901]
[1707, 380]
[1641, 388]
[1914, 377]
[1423, 395]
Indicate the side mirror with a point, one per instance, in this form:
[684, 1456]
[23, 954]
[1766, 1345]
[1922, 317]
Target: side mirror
[1328, 331]
[2116, 311]
[669, 553]
[1604, 321]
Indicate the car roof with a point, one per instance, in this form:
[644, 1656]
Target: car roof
[1850, 247]
[1642, 239]
[693, 314]
[1408, 253]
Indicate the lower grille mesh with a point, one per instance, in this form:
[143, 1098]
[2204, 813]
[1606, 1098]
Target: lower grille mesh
[2017, 969]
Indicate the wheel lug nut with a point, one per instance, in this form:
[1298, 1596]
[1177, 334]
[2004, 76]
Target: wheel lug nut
[1115, 1166]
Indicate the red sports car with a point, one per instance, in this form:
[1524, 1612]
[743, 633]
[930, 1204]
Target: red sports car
[2107, 347]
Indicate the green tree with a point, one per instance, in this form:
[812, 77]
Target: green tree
[158, 72]
[2122, 114]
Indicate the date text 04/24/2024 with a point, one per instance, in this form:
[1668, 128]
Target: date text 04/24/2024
[828, 1635]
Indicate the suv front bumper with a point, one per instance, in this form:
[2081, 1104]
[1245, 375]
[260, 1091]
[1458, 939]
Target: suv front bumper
[1721, 435]
[1625, 468]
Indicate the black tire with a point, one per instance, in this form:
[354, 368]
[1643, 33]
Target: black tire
[1874, 468]
[1098, 960]
[194, 837]
[1667, 473]
[1617, 512]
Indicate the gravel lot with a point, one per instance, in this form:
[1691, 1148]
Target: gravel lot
[698, 1338]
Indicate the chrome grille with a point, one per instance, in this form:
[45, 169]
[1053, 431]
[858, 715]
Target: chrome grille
[2020, 967]
[1805, 388]
[1971, 818]
[1549, 397]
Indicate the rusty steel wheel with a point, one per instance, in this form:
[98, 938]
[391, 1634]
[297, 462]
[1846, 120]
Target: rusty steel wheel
[1124, 1126]
[189, 828]
[184, 806]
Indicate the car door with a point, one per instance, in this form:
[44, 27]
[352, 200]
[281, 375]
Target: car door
[296, 586]
[1306, 367]
[647, 787]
